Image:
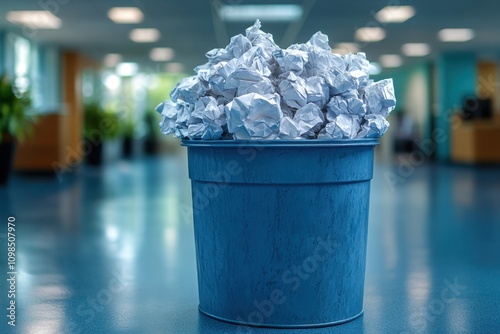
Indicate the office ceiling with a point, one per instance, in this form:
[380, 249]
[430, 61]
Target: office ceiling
[191, 28]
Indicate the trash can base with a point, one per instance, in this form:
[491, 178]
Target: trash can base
[235, 322]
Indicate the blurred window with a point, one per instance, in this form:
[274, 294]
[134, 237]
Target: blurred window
[18, 61]
[34, 69]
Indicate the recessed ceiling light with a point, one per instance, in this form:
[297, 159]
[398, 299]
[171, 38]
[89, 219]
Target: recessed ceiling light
[125, 15]
[112, 81]
[232, 13]
[391, 60]
[395, 14]
[416, 49]
[370, 34]
[161, 54]
[127, 69]
[111, 59]
[145, 35]
[456, 35]
[344, 48]
[174, 67]
[35, 19]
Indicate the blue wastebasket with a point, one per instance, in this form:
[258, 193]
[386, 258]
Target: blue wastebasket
[280, 229]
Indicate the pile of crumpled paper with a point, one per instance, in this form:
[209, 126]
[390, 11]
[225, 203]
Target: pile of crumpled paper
[253, 89]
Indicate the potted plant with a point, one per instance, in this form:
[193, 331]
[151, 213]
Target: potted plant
[151, 142]
[99, 125]
[128, 138]
[15, 123]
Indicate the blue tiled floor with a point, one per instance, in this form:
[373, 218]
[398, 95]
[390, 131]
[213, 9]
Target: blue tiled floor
[112, 251]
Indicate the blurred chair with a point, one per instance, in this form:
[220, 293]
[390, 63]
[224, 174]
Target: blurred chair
[406, 133]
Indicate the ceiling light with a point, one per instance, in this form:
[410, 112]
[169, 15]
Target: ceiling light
[161, 54]
[344, 48]
[269, 13]
[416, 49]
[370, 34]
[111, 59]
[145, 35]
[125, 15]
[395, 14]
[174, 67]
[112, 81]
[127, 69]
[391, 60]
[35, 19]
[456, 35]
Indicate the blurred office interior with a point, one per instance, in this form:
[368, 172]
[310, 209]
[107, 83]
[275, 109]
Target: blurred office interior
[95, 187]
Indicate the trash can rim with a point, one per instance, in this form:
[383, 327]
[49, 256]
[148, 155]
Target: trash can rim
[281, 143]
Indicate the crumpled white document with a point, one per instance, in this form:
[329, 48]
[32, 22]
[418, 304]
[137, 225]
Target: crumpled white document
[373, 126]
[189, 90]
[206, 120]
[357, 61]
[347, 103]
[317, 91]
[175, 116]
[168, 111]
[254, 116]
[289, 129]
[309, 120]
[247, 80]
[293, 91]
[291, 60]
[344, 126]
[380, 98]
[338, 81]
[261, 39]
[253, 89]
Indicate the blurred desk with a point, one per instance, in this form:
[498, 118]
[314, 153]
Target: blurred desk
[48, 147]
[476, 141]
[57, 143]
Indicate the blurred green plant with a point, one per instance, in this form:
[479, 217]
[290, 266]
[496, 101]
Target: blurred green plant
[152, 120]
[16, 120]
[106, 123]
[128, 129]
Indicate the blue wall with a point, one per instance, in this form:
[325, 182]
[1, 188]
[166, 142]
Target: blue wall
[402, 78]
[457, 73]
[50, 73]
[2, 52]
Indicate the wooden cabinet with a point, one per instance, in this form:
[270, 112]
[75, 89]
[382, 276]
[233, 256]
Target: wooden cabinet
[47, 147]
[476, 141]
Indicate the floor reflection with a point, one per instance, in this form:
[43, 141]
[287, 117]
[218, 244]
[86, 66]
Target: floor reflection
[111, 250]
